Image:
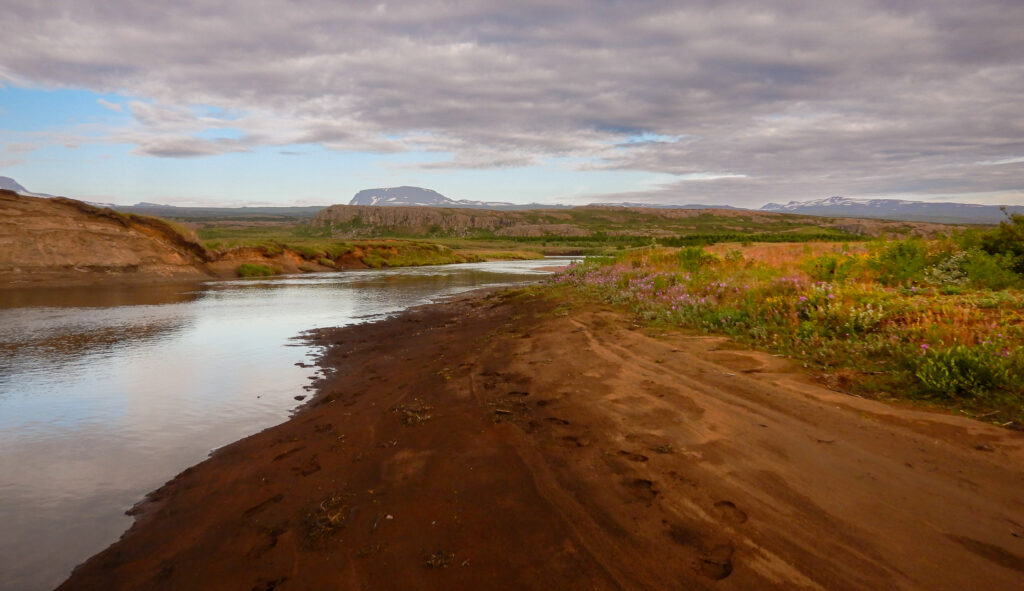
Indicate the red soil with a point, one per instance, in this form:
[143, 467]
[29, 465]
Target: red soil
[501, 443]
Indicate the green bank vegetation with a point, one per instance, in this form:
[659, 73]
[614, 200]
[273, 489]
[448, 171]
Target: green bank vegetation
[253, 270]
[316, 245]
[608, 232]
[940, 322]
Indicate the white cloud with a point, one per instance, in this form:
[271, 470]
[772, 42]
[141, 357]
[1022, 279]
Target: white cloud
[109, 105]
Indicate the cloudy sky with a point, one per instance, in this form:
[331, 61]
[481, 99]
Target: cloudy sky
[294, 101]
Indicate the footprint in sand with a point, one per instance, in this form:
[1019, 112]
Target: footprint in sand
[632, 457]
[575, 441]
[642, 489]
[729, 512]
[716, 564]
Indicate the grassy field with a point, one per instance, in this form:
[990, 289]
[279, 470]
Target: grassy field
[605, 231]
[938, 322]
[314, 245]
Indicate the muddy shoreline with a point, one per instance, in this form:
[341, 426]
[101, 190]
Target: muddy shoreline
[503, 440]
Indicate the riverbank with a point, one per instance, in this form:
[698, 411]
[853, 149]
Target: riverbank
[509, 441]
[62, 242]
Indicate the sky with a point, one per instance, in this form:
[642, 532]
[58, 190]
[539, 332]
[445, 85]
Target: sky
[191, 102]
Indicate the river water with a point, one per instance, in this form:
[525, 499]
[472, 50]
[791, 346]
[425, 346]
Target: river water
[107, 393]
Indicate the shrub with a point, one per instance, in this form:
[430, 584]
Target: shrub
[962, 370]
[948, 271]
[994, 271]
[693, 258]
[829, 267]
[1007, 240]
[251, 270]
[900, 261]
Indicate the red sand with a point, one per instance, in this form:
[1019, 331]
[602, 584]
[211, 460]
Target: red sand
[499, 443]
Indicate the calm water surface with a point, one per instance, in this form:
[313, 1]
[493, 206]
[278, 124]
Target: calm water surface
[106, 393]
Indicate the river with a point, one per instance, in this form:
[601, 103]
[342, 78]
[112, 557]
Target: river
[107, 393]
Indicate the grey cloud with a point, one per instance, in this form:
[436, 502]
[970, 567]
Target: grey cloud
[850, 97]
[188, 147]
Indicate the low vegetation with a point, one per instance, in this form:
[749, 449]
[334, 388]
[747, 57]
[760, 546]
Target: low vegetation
[936, 321]
[253, 270]
[534, 233]
[388, 252]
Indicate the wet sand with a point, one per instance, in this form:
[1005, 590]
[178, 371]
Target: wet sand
[502, 442]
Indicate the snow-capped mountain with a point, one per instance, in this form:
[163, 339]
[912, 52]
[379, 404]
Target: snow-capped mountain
[420, 197]
[664, 205]
[10, 184]
[897, 209]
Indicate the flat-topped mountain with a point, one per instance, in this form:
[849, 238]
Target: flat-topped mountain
[402, 196]
[898, 209]
[420, 197]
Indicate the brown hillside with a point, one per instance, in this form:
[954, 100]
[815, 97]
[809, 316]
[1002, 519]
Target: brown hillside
[67, 241]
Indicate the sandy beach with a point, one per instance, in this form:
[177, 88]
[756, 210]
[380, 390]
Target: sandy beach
[509, 441]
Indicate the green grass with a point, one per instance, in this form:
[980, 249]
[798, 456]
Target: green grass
[252, 270]
[882, 321]
[274, 239]
[607, 230]
[410, 254]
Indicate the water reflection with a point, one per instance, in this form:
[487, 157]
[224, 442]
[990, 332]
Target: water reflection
[98, 296]
[106, 395]
[49, 350]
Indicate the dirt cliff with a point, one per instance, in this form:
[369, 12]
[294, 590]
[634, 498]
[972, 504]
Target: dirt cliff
[58, 241]
[68, 241]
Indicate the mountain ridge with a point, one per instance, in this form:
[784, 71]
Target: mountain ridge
[411, 196]
[898, 209]
[9, 184]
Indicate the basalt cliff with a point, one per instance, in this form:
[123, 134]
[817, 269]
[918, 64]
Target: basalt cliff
[359, 221]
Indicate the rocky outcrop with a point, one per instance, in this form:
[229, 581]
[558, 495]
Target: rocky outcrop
[349, 220]
[67, 241]
[889, 229]
[355, 221]
[535, 230]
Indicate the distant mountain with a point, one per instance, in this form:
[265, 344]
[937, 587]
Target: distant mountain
[420, 197]
[398, 196]
[665, 206]
[10, 184]
[256, 213]
[897, 209]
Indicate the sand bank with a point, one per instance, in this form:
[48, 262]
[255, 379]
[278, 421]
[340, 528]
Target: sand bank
[503, 442]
